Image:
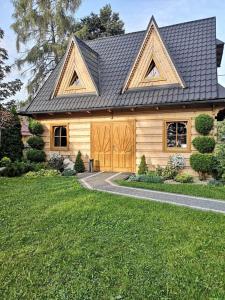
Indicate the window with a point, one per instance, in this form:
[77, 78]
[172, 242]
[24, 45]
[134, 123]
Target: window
[74, 80]
[59, 138]
[152, 72]
[176, 136]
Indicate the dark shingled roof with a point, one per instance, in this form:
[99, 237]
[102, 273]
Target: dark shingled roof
[192, 46]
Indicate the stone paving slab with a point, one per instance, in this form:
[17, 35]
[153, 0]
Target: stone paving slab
[103, 181]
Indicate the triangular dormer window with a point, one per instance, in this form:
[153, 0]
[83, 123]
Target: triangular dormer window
[75, 81]
[153, 72]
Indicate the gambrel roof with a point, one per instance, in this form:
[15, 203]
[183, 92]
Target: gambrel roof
[193, 49]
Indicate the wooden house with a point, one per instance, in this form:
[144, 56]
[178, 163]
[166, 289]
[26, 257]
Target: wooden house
[117, 98]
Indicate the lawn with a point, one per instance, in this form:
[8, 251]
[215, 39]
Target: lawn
[200, 190]
[60, 241]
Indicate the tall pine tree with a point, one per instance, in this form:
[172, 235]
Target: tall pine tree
[107, 23]
[42, 26]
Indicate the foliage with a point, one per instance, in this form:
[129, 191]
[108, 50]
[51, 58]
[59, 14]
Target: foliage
[35, 127]
[159, 170]
[79, 163]
[177, 161]
[169, 172]
[36, 155]
[217, 168]
[11, 139]
[36, 142]
[56, 161]
[107, 23]
[12, 170]
[5, 161]
[215, 182]
[143, 168]
[42, 27]
[202, 163]
[221, 131]
[184, 178]
[153, 178]
[7, 89]
[69, 173]
[204, 144]
[43, 173]
[204, 124]
[220, 153]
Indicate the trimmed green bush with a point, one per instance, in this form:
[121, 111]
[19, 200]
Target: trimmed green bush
[36, 155]
[5, 161]
[36, 142]
[143, 168]
[150, 178]
[204, 124]
[202, 163]
[204, 144]
[35, 127]
[69, 173]
[169, 172]
[43, 173]
[184, 178]
[79, 164]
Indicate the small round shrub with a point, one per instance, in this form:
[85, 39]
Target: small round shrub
[12, 170]
[177, 161]
[69, 173]
[214, 182]
[169, 172]
[5, 161]
[204, 144]
[36, 155]
[184, 178]
[202, 163]
[36, 142]
[204, 124]
[35, 127]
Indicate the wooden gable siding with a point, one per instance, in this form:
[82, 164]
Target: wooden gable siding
[149, 132]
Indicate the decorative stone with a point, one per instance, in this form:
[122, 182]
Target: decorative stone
[68, 164]
[2, 169]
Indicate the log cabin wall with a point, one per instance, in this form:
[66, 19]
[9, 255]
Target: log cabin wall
[149, 132]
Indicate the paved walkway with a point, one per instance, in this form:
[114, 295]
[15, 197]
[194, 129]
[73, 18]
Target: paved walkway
[103, 181]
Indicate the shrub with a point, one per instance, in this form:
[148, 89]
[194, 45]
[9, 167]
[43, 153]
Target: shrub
[184, 178]
[221, 131]
[68, 173]
[56, 161]
[36, 142]
[35, 127]
[143, 168]
[204, 124]
[11, 140]
[177, 161]
[217, 169]
[204, 144]
[146, 178]
[202, 163]
[159, 170]
[43, 173]
[220, 154]
[214, 182]
[5, 161]
[11, 170]
[36, 155]
[169, 172]
[79, 164]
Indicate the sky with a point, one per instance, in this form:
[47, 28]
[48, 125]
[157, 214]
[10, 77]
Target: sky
[135, 14]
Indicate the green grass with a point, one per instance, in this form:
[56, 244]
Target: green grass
[60, 241]
[198, 190]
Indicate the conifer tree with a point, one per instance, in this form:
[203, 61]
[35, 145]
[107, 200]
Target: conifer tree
[79, 164]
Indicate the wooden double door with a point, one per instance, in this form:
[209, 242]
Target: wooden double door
[113, 146]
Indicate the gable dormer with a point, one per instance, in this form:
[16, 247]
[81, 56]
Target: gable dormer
[79, 73]
[153, 65]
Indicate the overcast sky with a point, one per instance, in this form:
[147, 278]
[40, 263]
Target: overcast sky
[135, 14]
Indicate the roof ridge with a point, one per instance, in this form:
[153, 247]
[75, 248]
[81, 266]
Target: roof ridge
[139, 31]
